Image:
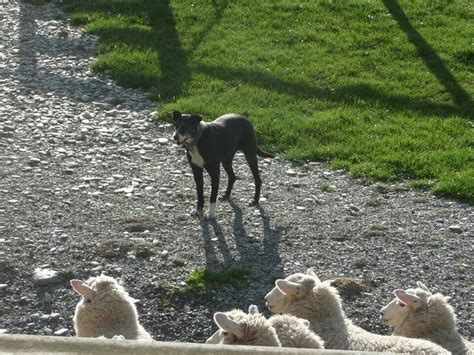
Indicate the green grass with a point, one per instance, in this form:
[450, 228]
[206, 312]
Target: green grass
[380, 88]
[202, 278]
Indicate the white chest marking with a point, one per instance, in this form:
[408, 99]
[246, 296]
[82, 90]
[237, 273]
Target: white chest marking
[196, 157]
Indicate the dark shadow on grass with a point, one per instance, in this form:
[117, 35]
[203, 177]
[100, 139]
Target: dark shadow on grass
[173, 61]
[429, 56]
[219, 8]
[356, 94]
[162, 38]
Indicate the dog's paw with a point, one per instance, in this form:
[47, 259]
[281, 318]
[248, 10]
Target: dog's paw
[197, 213]
[210, 216]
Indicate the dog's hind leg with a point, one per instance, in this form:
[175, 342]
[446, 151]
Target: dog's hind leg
[214, 172]
[253, 163]
[227, 164]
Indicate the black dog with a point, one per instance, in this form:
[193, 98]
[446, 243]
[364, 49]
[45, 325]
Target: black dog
[210, 144]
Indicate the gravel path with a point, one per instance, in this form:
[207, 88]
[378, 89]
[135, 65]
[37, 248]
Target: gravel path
[90, 184]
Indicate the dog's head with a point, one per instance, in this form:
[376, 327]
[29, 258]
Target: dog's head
[187, 127]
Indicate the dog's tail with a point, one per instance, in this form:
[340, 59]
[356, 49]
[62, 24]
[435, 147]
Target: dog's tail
[264, 154]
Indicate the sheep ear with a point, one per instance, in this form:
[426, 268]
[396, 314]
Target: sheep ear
[311, 272]
[133, 300]
[422, 286]
[406, 298]
[83, 289]
[253, 309]
[305, 322]
[229, 325]
[288, 287]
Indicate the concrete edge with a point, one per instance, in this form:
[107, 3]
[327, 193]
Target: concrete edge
[35, 344]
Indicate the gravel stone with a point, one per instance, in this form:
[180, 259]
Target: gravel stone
[455, 228]
[44, 277]
[87, 139]
[61, 332]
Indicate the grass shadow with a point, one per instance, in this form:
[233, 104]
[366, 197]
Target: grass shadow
[173, 60]
[219, 8]
[351, 94]
[147, 26]
[429, 56]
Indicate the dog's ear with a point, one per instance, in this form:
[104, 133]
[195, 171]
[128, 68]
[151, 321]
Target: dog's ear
[196, 118]
[176, 115]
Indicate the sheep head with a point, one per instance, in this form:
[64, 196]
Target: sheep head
[104, 305]
[416, 313]
[290, 289]
[221, 336]
[404, 303]
[254, 329]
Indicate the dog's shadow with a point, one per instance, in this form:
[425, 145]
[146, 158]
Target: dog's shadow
[210, 242]
[260, 255]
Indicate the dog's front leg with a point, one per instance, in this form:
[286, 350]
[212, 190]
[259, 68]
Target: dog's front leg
[199, 180]
[214, 172]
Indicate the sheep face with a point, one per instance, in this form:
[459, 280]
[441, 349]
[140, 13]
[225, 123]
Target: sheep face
[394, 313]
[405, 302]
[223, 337]
[293, 288]
[220, 337]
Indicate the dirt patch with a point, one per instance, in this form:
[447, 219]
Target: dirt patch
[119, 248]
[375, 230]
[349, 287]
[360, 263]
[139, 224]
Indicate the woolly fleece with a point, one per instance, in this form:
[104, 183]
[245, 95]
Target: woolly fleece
[112, 312]
[308, 298]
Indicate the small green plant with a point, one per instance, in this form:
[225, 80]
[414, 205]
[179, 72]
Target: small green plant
[202, 278]
[68, 273]
[326, 187]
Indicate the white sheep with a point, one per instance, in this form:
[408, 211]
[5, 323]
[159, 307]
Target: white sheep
[238, 328]
[305, 296]
[106, 310]
[292, 332]
[417, 313]
[295, 332]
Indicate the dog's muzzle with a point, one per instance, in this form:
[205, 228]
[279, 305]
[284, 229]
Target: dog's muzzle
[176, 137]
